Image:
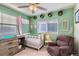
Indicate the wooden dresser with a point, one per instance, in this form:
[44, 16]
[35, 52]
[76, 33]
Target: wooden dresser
[8, 47]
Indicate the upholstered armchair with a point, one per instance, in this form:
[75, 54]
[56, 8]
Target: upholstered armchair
[64, 46]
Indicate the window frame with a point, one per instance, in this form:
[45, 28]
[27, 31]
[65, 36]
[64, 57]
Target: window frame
[49, 21]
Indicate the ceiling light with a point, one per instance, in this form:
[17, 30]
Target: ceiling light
[33, 7]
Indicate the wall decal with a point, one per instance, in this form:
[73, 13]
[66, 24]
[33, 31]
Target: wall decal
[42, 16]
[60, 13]
[34, 17]
[50, 14]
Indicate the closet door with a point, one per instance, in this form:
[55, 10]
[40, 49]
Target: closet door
[8, 19]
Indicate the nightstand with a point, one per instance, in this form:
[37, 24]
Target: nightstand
[21, 41]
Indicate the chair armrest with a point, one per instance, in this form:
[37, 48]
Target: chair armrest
[64, 47]
[64, 50]
[52, 43]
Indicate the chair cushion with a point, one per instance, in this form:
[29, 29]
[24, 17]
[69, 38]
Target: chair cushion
[61, 38]
[62, 43]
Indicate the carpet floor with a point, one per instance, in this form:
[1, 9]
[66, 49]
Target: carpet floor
[32, 52]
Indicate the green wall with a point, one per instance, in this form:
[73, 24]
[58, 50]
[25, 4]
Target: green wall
[68, 14]
[12, 12]
[7, 10]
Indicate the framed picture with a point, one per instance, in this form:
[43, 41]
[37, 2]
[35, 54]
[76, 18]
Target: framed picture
[65, 25]
[77, 16]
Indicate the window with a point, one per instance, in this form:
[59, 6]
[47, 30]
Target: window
[25, 26]
[8, 26]
[52, 27]
[47, 26]
[6, 29]
[41, 27]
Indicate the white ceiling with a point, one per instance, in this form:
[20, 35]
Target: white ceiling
[48, 6]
